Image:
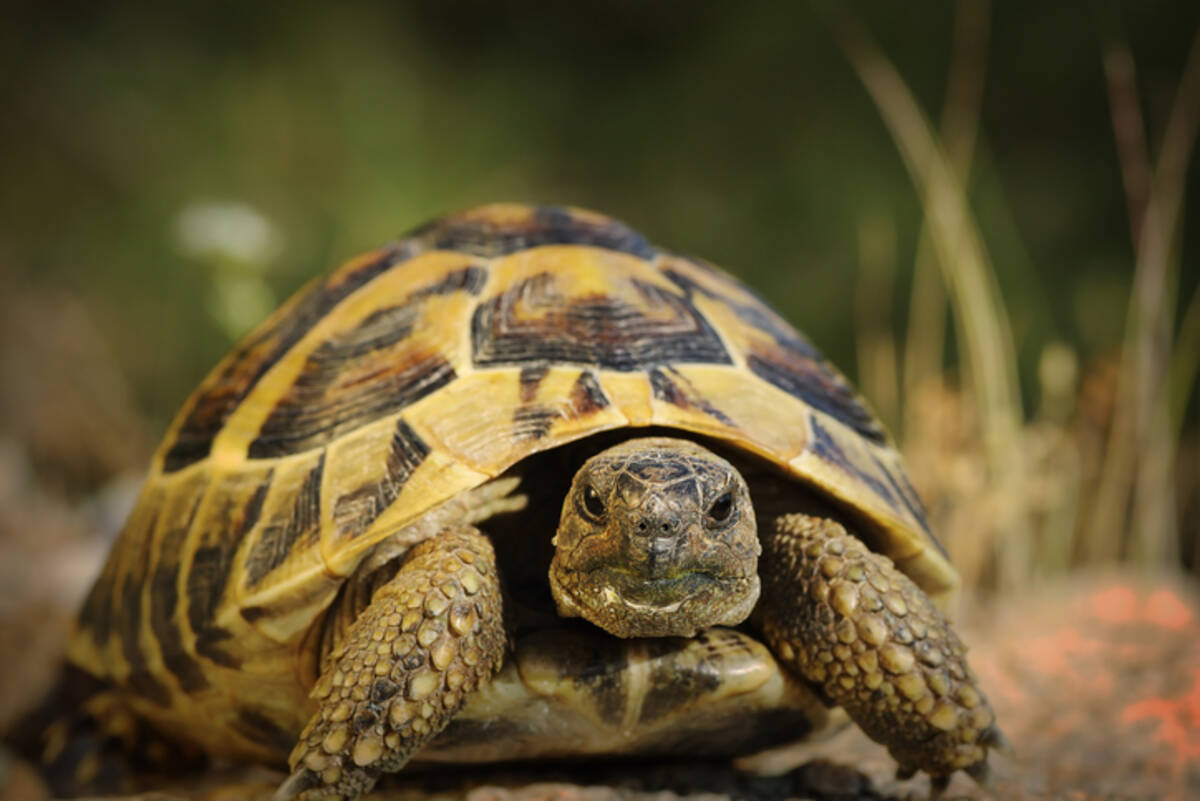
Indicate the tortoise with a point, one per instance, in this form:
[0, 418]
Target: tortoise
[522, 485]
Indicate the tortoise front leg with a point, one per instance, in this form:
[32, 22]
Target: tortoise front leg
[849, 622]
[429, 637]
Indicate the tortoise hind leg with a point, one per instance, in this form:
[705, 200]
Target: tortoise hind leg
[848, 621]
[429, 637]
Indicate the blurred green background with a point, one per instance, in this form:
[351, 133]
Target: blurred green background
[172, 171]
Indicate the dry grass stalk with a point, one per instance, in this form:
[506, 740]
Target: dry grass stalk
[980, 317]
[925, 345]
[1143, 441]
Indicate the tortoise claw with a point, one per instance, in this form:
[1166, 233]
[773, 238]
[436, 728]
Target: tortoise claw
[981, 772]
[300, 781]
[994, 738]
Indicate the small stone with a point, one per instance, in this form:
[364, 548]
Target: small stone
[367, 750]
[944, 716]
[896, 659]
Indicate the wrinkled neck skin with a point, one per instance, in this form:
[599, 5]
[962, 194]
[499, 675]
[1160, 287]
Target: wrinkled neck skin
[657, 538]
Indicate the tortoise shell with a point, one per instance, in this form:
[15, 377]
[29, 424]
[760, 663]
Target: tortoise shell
[413, 374]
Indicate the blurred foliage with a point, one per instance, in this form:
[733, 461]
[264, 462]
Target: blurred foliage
[739, 132]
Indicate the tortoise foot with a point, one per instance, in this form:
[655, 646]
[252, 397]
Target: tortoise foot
[848, 621]
[430, 636]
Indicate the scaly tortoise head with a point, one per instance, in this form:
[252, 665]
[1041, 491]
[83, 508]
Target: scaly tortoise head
[657, 539]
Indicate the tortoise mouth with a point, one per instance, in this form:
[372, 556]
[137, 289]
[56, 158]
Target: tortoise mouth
[666, 593]
[628, 604]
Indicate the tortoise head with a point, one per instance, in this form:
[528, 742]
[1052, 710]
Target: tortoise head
[657, 539]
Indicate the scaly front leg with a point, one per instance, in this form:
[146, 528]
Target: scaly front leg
[429, 637]
[848, 621]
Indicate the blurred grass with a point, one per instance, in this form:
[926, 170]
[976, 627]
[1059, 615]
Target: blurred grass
[1042, 430]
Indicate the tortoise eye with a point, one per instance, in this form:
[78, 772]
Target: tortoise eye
[593, 504]
[721, 509]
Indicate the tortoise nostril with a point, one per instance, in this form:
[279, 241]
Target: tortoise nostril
[656, 526]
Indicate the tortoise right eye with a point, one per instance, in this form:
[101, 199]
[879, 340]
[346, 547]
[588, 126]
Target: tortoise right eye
[593, 504]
